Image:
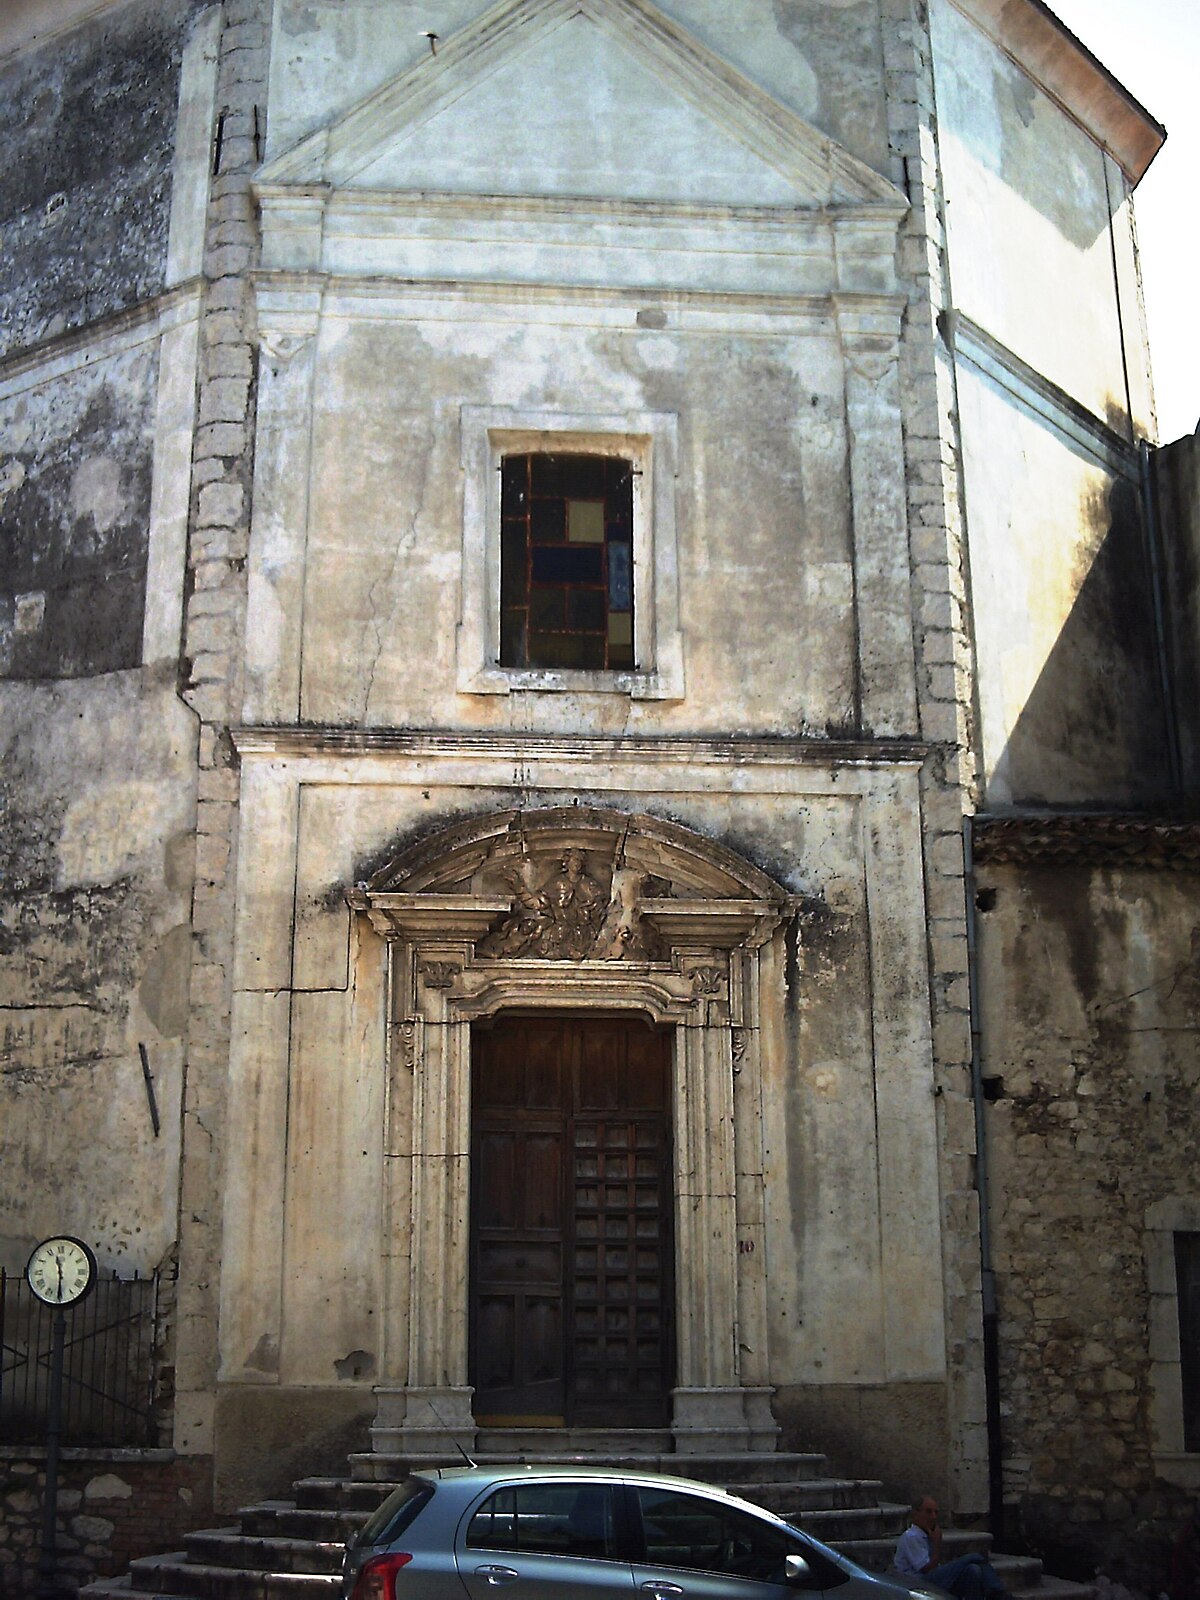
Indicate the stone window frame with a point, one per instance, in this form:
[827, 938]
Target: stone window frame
[1164, 1219]
[649, 440]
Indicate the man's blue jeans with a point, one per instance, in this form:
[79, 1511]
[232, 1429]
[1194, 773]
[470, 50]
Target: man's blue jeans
[970, 1577]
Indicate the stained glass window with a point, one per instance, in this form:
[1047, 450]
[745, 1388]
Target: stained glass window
[566, 562]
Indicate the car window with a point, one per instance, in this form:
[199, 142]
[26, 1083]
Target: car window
[561, 1519]
[396, 1512]
[683, 1530]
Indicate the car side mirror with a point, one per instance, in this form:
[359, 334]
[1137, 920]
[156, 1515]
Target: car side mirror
[796, 1570]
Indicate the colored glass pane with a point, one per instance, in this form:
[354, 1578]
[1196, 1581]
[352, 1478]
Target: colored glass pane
[566, 578]
[585, 521]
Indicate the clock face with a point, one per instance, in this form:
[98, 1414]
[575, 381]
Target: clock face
[61, 1271]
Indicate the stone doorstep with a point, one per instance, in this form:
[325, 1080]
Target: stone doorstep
[291, 1549]
[499, 1442]
[376, 1466]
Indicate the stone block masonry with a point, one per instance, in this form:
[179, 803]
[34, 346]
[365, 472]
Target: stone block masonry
[113, 1506]
[1104, 1038]
[222, 472]
[943, 649]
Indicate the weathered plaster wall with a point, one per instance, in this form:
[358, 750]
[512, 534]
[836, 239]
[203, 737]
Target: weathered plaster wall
[88, 125]
[762, 510]
[1025, 184]
[1068, 678]
[1091, 1054]
[96, 823]
[843, 1231]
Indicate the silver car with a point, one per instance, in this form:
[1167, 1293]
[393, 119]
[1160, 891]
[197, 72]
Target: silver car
[584, 1533]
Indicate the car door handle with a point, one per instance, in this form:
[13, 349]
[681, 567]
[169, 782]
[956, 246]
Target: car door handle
[661, 1590]
[495, 1575]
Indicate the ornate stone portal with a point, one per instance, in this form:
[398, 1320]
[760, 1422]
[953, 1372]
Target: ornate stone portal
[587, 910]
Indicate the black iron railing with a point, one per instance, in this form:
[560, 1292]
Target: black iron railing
[109, 1376]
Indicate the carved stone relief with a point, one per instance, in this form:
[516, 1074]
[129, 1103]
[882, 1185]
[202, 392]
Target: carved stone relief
[573, 909]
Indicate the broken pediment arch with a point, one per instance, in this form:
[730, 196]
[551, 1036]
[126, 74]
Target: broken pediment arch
[573, 883]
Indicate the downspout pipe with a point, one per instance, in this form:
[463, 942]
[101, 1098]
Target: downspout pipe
[1158, 592]
[991, 1314]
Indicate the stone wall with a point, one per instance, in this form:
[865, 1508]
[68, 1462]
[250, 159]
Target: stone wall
[1090, 987]
[113, 1506]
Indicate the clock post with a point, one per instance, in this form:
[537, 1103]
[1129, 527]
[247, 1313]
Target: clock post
[47, 1588]
[61, 1272]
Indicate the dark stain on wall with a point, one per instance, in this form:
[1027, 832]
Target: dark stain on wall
[74, 521]
[87, 125]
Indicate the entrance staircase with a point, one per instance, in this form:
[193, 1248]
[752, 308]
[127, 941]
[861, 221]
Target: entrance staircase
[292, 1549]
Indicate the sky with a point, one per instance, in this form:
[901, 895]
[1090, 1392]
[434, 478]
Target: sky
[1153, 48]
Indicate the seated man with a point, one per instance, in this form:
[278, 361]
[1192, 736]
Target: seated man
[919, 1553]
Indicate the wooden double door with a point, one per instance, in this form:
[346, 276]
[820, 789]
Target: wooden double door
[571, 1235]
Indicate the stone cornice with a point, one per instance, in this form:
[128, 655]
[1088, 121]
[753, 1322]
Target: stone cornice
[274, 742]
[37, 363]
[1039, 396]
[1086, 840]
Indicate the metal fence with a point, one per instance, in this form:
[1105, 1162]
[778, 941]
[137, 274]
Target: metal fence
[109, 1375]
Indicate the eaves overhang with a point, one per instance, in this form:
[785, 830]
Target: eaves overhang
[1044, 47]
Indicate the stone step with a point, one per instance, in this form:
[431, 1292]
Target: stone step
[331, 1510]
[1055, 1589]
[273, 1519]
[292, 1549]
[229, 1547]
[875, 1552]
[343, 1494]
[174, 1575]
[814, 1494]
[724, 1467]
[1022, 1575]
[571, 1441]
[851, 1522]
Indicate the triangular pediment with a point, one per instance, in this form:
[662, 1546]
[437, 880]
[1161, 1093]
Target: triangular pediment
[598, 98]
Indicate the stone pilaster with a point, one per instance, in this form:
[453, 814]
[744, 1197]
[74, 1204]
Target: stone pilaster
[943, 650]
[222, 464]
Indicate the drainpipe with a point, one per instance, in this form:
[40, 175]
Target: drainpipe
[991, 1315]
[1158, 599]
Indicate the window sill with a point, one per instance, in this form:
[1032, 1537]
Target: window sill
[551, 680]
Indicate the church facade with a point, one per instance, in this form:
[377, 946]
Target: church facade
[592, 689]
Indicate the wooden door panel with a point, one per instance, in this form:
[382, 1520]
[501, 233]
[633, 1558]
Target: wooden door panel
[541, 1182]
[571, 1263]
